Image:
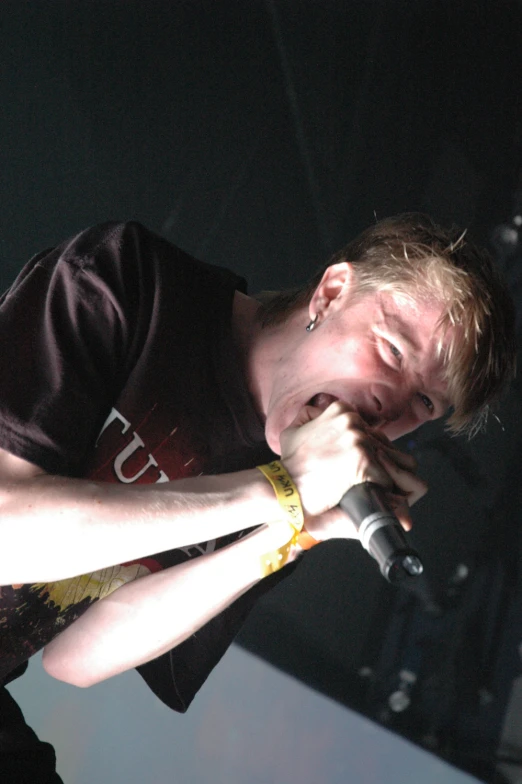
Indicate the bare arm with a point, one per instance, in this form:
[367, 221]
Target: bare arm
[75, 526]
[146, 618]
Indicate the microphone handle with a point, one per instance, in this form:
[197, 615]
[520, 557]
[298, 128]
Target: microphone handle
[380, 532]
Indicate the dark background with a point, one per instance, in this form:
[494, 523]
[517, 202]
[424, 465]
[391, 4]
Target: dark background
[262, 136]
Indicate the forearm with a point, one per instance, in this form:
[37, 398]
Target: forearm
[52, 528]
[146, 618]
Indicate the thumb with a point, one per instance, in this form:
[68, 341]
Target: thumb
[401, 510]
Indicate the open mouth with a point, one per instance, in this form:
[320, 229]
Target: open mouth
[322, 400]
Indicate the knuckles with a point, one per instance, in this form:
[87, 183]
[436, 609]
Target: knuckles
[340, 434]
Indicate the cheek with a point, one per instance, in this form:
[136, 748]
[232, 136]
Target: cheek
[359, 359]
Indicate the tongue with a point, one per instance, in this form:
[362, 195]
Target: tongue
[322, 400]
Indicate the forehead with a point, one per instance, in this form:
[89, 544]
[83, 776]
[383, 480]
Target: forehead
[416, 322]
[418, 318]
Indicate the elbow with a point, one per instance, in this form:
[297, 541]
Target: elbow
[62, 669]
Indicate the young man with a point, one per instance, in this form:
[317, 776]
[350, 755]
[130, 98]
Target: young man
[141, 388]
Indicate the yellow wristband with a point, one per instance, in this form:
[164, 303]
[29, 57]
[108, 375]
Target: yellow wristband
[286, 492]
[292, 533]
[306, 541]
[276, 559]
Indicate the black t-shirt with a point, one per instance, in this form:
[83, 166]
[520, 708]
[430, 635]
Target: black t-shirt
[117, 364]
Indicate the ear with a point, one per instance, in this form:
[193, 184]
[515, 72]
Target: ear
[336, 284]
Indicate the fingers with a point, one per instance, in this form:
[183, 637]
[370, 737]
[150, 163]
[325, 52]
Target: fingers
[327, 452]
[401, 510]
[403, 459]
[381, 441]
[333, 524]
[371, 468]
[413, 487]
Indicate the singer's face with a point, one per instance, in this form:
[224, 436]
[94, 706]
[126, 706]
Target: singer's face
[373, 352]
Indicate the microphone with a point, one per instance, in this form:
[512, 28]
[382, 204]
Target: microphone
[380, 532]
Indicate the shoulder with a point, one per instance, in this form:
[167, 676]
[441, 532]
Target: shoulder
[111, 240]
[119, 254]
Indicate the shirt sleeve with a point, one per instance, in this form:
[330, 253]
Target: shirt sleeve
[177, 676]
[65, 340]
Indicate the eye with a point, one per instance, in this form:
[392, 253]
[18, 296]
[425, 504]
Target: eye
[395, 351]
[427, 402]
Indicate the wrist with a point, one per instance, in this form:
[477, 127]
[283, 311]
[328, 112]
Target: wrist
[293, 539]
[285, 491]
[263, 506]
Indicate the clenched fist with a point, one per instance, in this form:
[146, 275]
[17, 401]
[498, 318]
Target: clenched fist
[328, 452]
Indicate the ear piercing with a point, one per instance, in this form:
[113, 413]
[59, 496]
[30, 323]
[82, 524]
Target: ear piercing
[311, 325]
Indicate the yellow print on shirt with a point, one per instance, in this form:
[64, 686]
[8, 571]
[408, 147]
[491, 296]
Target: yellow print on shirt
[97, 585]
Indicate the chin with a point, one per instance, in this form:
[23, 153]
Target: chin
[273, 434]
[273, 443]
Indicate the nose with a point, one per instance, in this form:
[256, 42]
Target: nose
[396, 411]
[391, 401]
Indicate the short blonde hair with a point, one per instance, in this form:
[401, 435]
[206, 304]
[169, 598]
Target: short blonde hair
[412, 256]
